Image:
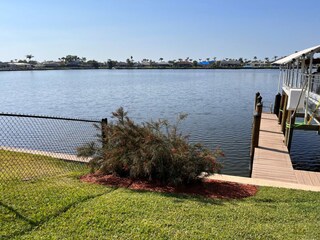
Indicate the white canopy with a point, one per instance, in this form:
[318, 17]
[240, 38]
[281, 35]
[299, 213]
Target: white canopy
[296, 55]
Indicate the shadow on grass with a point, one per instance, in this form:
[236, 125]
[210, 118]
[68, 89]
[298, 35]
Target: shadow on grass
[49, 217]
[19, 215]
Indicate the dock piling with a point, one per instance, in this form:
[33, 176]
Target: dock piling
[259, 100]
[255, 131]
[281, 107]
[289, 129]
[277, 104]
[284, 114]
[256, 100]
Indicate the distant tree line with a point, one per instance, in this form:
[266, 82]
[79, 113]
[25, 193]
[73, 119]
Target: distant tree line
[74, 61]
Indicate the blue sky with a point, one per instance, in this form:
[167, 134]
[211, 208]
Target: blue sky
[171, 29]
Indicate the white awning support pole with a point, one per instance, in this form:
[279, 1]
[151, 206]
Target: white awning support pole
[284, 75]
[290, 75]
[302, 78]
[297, 75]
[287, 75]
[280, 77]
[308, 88]
[293, 74]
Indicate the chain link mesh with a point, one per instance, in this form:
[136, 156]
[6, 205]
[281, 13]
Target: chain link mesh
[33, 147]
[36, 149]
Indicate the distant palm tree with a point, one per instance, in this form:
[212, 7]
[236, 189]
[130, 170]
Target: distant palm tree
[29, 56]
[208, 59]
[200, 59]
[267, 59]
[255, 58]
[161, 59]
[275, 58]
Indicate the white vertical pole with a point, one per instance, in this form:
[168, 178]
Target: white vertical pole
[302, 79]
[287, 75]
[293, 74]
[280, 77]
[308, 89]
[297, 75]
[290, 75]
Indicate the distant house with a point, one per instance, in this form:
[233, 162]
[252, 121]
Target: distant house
[184, 64]
[51, 64]
[260, 64]
[145, 64]
[230, 63]
[248, 65]
[206, 63]
[141, 64]
[19, 66]
[76, 63]
[122, 65]
[163, 64]
[4, 65]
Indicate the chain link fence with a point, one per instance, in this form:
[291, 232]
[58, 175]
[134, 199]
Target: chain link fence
[40, 170]
[37, 147]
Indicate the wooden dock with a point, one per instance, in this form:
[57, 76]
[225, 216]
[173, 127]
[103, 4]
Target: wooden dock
[272, 160]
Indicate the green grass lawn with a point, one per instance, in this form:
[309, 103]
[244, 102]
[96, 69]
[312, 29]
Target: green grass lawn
[61, 207]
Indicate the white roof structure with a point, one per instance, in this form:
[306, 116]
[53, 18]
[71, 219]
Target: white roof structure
[296, 55]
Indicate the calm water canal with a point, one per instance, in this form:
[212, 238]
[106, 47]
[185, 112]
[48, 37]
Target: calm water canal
[219, 103]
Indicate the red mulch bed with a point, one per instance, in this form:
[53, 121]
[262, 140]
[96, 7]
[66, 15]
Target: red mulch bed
[208, 187]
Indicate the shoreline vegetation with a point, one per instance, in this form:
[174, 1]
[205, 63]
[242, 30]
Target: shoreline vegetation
[73, 62]
[127, 68]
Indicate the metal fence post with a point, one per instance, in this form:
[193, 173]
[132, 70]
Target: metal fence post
[104, 123]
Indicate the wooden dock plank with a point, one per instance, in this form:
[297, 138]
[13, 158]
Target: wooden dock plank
[272, 160]
[309, 178]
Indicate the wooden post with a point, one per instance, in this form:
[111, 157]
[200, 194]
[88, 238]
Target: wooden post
[277, 104]
[259, 100]
[284, 114]
[289, 129]
[281, 107]
[104, 123]
[256, 100]
[255, 132]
